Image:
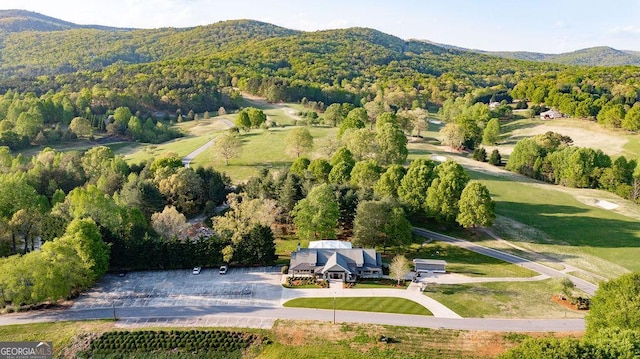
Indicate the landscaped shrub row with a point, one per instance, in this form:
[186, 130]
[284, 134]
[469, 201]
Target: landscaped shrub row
[298, 281]
[188, 340]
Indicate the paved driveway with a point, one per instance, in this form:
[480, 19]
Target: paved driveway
[239, 287]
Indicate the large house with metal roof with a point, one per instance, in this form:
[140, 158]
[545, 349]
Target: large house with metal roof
[345, 264]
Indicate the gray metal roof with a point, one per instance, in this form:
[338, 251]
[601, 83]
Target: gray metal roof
[430, 261]
[350, 257]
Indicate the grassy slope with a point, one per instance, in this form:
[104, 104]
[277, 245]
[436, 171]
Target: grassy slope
[503, 299]
[571, 227]
[303, 339]
[549, 220]
[363, 304]
[261, 149]
[60, 333]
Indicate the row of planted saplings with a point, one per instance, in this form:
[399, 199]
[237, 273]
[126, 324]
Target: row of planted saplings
[189, 340]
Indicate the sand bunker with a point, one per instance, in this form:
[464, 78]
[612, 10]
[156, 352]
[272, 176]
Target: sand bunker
[606, 204]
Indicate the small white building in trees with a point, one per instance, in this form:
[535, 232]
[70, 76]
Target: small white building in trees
[551, 114]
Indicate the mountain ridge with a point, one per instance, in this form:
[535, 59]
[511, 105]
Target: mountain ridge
[21, 21]
[16, 20]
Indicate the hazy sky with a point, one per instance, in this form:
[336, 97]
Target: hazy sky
[550, 26]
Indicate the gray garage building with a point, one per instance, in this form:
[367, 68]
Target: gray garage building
[430, 266]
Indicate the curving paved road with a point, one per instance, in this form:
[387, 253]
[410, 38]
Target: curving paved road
[581, 284]
[188, 158]
[198, 314]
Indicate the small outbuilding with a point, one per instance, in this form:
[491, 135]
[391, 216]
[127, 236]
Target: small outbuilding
[430, 266]
[551, 114]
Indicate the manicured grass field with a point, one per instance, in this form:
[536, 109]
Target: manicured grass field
[363, 304]
[381, 284]
[502, 299]
[180, 147]
[261, 149]
[566, 227]
[462, 261]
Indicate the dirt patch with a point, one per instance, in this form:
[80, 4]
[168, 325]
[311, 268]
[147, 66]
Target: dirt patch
[566, 303]
[298, 333]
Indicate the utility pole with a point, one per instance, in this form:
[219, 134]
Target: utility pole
[334, 307]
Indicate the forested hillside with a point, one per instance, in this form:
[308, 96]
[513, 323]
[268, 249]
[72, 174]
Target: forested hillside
[594, 56]
[91, 72]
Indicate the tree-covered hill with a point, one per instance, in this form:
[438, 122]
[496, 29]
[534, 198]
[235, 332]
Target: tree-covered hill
[594, 56]
[22, 20]
[39, 50]
[200, 69]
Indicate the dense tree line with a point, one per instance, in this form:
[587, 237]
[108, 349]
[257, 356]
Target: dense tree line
[551, 158]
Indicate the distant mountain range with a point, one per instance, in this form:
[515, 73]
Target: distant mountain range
[592, 56]
[20, 21]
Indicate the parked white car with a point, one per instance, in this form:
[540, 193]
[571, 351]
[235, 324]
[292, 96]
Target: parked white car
[223, 269]
[197, 270]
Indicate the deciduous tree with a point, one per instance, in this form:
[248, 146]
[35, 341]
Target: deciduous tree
[615, 305]
[80, 126]
[476, 206]
[228, 145]
[444, 193]
[365, 173]
[299, 141]
[414, 185]
[169, 223]
[317, 215]
[391, 144]
[491, 133]
[452, 135]
[380, 223]
[399, 268]
[389, 182]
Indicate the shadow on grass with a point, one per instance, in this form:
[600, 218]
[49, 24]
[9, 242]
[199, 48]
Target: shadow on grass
[419, 151]
[519, 125]
[566, 224]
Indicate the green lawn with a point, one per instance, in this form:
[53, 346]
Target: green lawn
[380, 284]
[363, 304]
[565, 227]
[180, 147]
[261, 149]
[462, 261]
[502, 299]
[287, 244]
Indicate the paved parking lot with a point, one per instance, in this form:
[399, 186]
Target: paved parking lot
[240, 286]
